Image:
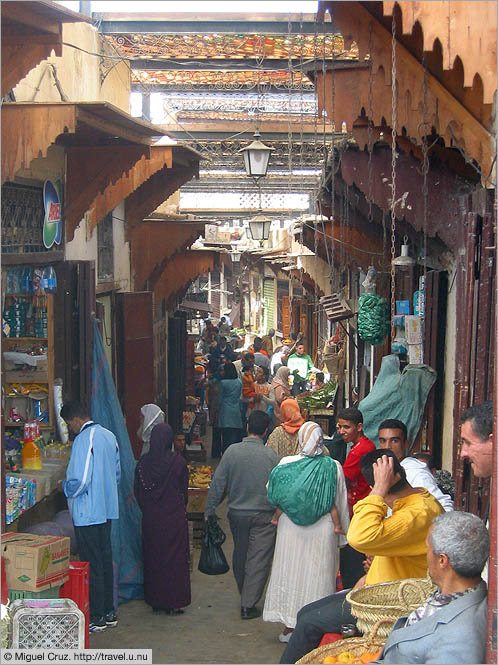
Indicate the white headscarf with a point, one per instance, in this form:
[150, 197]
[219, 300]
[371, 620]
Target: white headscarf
[310, 437]
[152, 415]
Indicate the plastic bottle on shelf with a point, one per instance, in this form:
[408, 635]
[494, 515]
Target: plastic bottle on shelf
[27, 280]
[49, 280]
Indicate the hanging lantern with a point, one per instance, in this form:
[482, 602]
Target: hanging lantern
[259, 227]
[236, 256]
[404, 261]
[256, 157]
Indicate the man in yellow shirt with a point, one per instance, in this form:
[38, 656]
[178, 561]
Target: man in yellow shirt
[397, 544]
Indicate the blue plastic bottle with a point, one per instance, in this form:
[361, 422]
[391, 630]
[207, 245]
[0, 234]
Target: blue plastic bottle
[49, 280]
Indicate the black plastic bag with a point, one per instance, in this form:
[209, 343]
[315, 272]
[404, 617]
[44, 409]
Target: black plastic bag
[212, 560]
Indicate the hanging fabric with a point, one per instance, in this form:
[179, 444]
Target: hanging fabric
[397, 394]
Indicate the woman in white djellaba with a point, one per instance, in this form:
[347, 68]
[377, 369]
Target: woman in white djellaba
[309, 493]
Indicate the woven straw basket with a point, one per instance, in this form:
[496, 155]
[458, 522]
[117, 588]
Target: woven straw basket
[355, 645]
[388, 600]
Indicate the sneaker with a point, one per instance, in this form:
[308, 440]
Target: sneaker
[284, 637]
[111, 619]
[97, 625]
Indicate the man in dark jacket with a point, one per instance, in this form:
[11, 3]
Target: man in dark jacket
[243, 474]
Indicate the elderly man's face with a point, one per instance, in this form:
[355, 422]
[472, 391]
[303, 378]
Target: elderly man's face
[478, 452]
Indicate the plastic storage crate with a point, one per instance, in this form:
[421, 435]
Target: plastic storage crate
[77, 588]
[15, 594]
[47, 624]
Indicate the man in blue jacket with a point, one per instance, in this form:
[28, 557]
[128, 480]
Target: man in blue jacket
[91, 487]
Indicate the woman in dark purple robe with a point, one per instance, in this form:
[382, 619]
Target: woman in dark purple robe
[161, 482]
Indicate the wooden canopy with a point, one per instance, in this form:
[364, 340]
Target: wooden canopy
[109, 153]
[457, 55]
[179, 272]
[30, 32]
[154, 242]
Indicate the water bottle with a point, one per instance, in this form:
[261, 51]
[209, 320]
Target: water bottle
[49, 280]
[27, 280]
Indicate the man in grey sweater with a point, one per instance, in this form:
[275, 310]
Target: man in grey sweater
[243, 474]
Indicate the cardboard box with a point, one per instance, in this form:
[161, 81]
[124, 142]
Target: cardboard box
[413, 329]
[416, 354]
[197, 498]
[35, 563]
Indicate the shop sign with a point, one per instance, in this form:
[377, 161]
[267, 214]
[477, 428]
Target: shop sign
[52, 222]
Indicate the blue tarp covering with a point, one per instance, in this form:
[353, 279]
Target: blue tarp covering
[126, 533]
[396, 394]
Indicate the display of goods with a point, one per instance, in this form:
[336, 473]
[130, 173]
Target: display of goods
[200, 476]
[349, 657]
[190, 400]
[350, 650]
[188, 418]
[47, 624]
[20, 494]
[31, 456]
[318, 399]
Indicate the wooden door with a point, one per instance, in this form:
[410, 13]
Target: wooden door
[135, 358]
[74, 311]
[177, 350]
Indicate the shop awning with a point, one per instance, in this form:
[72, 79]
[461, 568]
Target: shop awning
[102, 143]
[180, 272]
[145, 199]
[30, 32]
[154, 242]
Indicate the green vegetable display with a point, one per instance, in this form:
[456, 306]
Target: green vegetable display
[318, 399]
[373, 318]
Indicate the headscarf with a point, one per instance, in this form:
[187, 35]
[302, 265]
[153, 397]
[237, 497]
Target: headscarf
[291, 416]
[152, 415]
[153, 468]
[281, 378]
[310, 439]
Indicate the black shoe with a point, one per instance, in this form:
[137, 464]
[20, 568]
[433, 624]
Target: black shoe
[111, 619]
[97, 625]
[249, 612]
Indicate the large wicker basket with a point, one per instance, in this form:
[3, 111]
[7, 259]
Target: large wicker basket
[388, 600]
[355, 645]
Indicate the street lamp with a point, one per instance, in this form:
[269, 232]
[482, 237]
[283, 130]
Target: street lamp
[236, 256]
[259, 227]
[256, 157]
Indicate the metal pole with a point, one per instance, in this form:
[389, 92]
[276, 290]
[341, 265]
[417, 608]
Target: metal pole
[86, 7]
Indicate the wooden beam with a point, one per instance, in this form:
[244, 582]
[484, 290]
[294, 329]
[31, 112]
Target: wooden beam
[20, 57]
[89, 171]
[112, 128]
[144, 200]
[28, 131]
[15, 12]
[160, 157]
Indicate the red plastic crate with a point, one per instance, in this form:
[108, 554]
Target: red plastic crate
[77, 588]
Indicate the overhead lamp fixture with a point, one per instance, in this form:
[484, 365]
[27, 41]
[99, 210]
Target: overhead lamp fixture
[256, 157]
[404, 260]
[259, 227]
